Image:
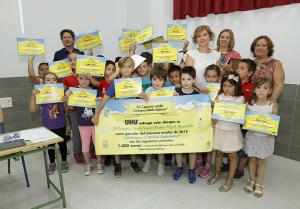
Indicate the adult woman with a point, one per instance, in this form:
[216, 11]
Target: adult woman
[262, 49]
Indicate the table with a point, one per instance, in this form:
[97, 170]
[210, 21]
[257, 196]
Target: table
[41, 146]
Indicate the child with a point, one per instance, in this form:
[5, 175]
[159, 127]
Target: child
[144, 69]
[174, 75]
[43, 68]
[212, 75]
[158, 77]
[53, 118]
[188, 78]
[86, 128]
[126, 65]
[246, 69]
[227, 135]
[259, 146]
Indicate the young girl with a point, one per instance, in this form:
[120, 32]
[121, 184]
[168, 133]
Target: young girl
[227, 135]
[53, 118]
[86, 128]
[259, 146]
[212, 75]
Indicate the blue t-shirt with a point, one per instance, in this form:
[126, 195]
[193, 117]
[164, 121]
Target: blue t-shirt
[111, 92]
[146, 83]
[84, 116]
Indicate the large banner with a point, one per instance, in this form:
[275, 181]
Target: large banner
[177, 124]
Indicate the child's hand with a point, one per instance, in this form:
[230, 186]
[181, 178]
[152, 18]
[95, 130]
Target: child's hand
[35, 91]
[203, 90]
[69, 93]
[143, 96]
[132, 48]
[185, 45]
[275, 108]
[65, 98]
[88, 76]
[95, 120]
[31, 58]
[175, 93]
[213, 122]
[90, 52]
[227, 67]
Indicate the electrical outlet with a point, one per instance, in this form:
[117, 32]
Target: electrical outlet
[5, 102]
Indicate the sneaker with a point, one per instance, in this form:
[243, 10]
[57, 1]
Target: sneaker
[192, 176]
[107, 161]
[100, 168]
[118, 170]
[79, 159]
[225, 167]
[64, 166]
[136, 167]
[198, 164]
[147, 166]
[161, 170]
[205, 172]
[88, 170]
[177, 174]
[238, 174]
[51, 168]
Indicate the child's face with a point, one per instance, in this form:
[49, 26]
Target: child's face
[175, 78]
[225, 39]
[157, 83]
[43, 69]
[228, 88]
[263, 91]
[72, 58]
[50, 79]
[243, 71]
[67, 39]
[126, 70]
[110, 70]
[203, 38]
[84, 81]
[187, 81]
[212, 76]
[143, 69]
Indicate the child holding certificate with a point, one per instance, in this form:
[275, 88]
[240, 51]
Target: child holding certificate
[188, 78]
[228, 137]
[43, 68]
[126, 65]
[259, 146]
[53, 117]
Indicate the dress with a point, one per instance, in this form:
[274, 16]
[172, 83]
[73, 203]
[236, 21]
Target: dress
[258, 144]
[227, 135]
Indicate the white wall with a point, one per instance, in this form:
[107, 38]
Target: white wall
[46, 18]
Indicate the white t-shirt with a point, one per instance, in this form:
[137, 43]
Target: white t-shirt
[202, 60]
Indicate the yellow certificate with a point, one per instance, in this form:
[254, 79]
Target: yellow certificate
[229, 111]
[49, 93]
[90, 64]
[88, 40]
[61, 68]
[213, 89]
[128, 87]
[261, 122]
[82, 97]
[27, 46]
[129, 33]
[163, 92]
[164, 53]
[176, 32]
[156, 40]
[145, 34]
[125, 42]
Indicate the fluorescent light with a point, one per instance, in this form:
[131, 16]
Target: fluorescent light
[21, 16]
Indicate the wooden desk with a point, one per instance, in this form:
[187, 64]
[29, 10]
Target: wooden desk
[41, 147]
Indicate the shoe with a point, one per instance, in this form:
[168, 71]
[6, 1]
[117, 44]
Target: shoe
[51, 168]
[192, 176]
[118, 170]
[136, 167]
[107, 161]
[93, 154]
[161, 170]
[100, 168]
[205, 171]
[64, 166]
[258, 191]
[238, 174]
[79, 159]
[250, 187]
[213, 180]
[88, 170]
[225, 167]
[177, 174]
[147, 166]
[168, 162]
[227, 186]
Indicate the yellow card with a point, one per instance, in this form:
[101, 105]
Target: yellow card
[164, 53]
[125, 42]
[89, 40]
[49, 93]
[229, 111]
[145, 34]
[61, 68]
[28, 46]
[82, 97]
[176, 32]
[90, 64]
[163, 92]
[128, 87]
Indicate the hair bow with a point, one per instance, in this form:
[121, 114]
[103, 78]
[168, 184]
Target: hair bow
[233, 77]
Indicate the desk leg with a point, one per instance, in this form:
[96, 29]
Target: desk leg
[25, 171]
[46, 168]
[58, 160]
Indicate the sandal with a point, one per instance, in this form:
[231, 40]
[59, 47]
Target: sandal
[250, 187]
[213, 180]
[258, 191]
[227, 186]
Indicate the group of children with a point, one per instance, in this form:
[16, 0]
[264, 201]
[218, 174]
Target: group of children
[235, 86]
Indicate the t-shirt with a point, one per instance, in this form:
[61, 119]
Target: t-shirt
[247, 90]
[202, 60]
[64, 53]
[146, 82]
[53, 115]
[104, 86]
[84, 116]
[111, 92]
[180, 92]
[70, 81]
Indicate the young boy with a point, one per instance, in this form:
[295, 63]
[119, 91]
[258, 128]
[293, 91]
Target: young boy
[126, 65]
[246, 69]
[174, 75]
[43, 68]
[188, 78]
[144, 69]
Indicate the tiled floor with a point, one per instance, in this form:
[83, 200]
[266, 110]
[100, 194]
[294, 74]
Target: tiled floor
[282, 189]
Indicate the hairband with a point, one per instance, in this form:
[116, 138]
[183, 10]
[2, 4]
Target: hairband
[233, 77]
